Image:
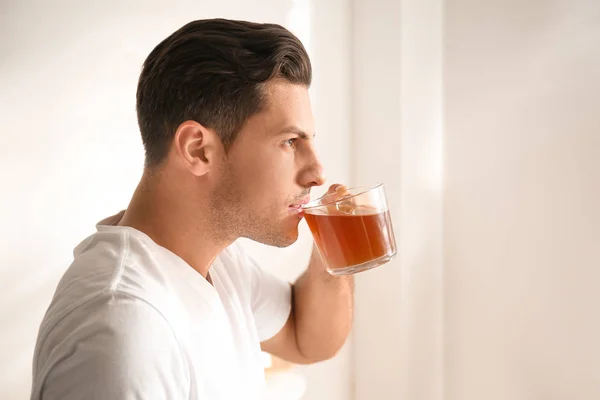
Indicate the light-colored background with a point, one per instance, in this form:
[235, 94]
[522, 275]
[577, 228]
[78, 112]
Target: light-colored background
[481, 117]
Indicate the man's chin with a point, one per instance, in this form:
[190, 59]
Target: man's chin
[284, 238]
[289, 242]
[283, 234]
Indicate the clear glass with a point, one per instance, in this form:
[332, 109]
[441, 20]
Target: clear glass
[353, 233]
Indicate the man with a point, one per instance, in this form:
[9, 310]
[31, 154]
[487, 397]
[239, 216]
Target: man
[160, 303]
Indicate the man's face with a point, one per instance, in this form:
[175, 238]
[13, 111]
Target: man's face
[270, 169]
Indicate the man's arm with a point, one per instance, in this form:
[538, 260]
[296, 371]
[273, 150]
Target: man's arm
[321, 316]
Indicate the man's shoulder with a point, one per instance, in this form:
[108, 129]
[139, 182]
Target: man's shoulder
[117, 259]
[110, 274]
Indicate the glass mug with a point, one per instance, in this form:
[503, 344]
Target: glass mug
[353, 233]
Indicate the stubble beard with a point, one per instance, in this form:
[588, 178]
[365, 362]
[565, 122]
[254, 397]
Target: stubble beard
[232, 218]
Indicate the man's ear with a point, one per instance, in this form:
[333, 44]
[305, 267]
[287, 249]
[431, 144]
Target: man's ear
[197, 147]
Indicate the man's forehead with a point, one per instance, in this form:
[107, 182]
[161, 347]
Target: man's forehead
[287, 105]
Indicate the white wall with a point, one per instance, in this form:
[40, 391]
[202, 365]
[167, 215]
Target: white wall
[68, 74]
[522, 214]
[494, 293]
[398, 140]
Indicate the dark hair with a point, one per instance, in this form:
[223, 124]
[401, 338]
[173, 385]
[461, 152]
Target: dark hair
[213, 72]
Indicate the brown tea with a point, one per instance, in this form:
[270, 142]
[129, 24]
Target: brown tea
[346, 240]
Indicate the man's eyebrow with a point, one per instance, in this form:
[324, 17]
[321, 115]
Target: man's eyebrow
[297, 131]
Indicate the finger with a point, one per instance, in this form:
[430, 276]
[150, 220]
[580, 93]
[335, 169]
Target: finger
[336, 192]
[342, 190]
[334, 188]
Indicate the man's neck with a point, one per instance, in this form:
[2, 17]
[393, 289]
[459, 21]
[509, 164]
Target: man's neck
[175, 223]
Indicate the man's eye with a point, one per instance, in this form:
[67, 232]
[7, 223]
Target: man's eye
[291, 142]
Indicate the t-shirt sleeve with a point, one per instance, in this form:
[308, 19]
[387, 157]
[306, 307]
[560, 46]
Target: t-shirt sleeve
[271, 299]
[125, 350]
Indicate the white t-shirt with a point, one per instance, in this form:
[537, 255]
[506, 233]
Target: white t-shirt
[131, 320]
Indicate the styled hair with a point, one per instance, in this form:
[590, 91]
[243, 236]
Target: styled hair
[214, 72]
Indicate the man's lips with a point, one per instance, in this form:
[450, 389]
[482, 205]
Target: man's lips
[297, 206]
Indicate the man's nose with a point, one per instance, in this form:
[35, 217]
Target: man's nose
[313, 174]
